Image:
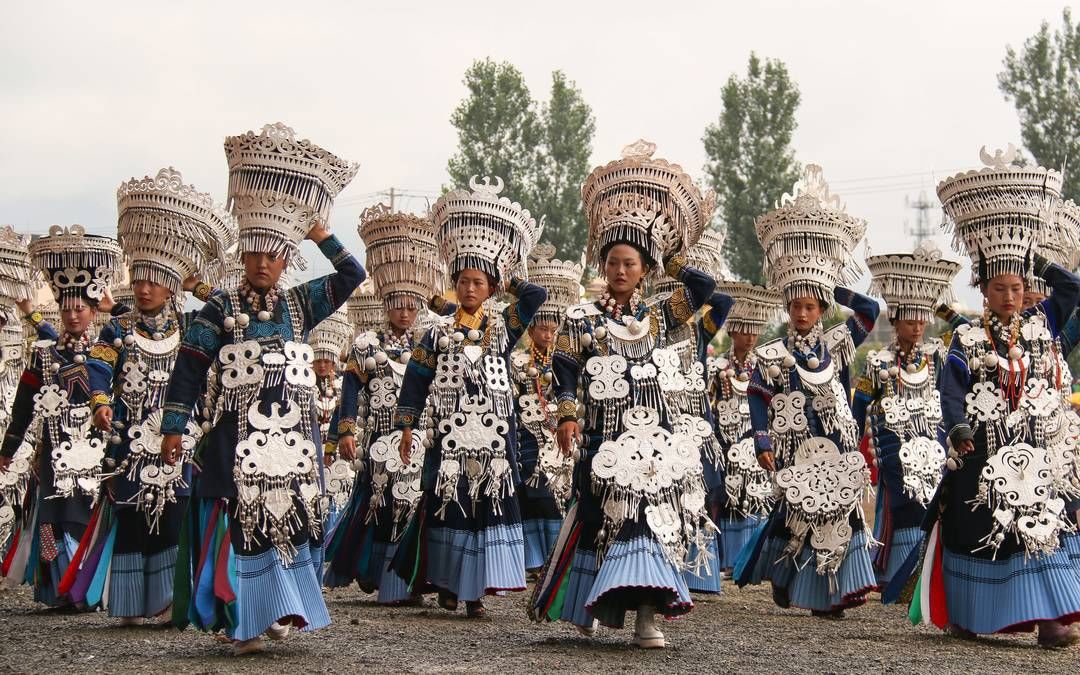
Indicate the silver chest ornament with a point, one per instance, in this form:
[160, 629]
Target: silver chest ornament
[393, 479]
[648, 466]
[822, 489]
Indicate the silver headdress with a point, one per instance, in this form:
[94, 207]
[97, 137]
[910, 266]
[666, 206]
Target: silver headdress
[78, 267]
[1060, 244]
[562, 279]
[402, 256]
[1000, 213]
[279, 186]
[330, 338]
[170, 231]
[16, 272]
[704, 255]
[124, 295]
[913, 285]
[808, 240]
[483, 231]
[649, 203]
[365, 309]
[755, 306]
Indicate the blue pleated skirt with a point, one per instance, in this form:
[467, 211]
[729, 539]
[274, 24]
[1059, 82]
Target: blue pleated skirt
[540, 535]
[471, 564]
[901, 543]
[1010, 595]
[735, 532]
[267, 590]
[804, 587]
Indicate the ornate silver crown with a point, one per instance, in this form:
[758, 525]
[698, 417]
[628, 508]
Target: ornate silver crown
[669, 211]
[16, 272]
[809, 239]
[279, 186]
[913, 284]
[170, 231]
[478, 229]
[1000, 212]
[78, 267]
[365, 309]
[331, 337]
[755, 306]
[561, 278]
[402, 256]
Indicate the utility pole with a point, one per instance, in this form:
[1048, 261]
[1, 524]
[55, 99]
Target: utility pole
[921, 229]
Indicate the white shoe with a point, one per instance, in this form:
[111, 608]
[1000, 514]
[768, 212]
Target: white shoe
[244, 647]
[276, 631]
[646, 634]
[588, 631]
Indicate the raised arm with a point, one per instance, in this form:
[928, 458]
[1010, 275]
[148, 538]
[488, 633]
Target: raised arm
[519, 314]
[321, 297]
[696, 289]
[1064, 293]
[865, 308]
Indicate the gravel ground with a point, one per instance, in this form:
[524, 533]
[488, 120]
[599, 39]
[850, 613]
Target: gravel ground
[738, 631]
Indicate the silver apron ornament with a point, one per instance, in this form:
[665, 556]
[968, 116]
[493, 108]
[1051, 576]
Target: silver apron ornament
[158, 481]
[390, 475]
[747, 484]
[474, 446]
[822, 489]
[659, 471]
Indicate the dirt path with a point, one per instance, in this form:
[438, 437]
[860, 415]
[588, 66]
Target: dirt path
[739, 631]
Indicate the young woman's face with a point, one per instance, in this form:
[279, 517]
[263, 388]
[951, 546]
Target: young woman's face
[909, 331]
[624, 268]
[804, 313]
[323, 367]
[150, 297]
[543, 334]
[263, 270]
[742, 343]
[1004, 294]
[1032, 298]
[76, 319]
[472, 288]
[402, 318]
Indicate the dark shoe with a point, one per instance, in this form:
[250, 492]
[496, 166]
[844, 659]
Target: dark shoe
[1053, 635]
[780, 597]
[474, 609]
[831, 614]
[447, 601]
[960, 633]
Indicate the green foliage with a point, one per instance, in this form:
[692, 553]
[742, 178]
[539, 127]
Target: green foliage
[563, 165]
[1043, 82]
[750, 163]
[540, 151]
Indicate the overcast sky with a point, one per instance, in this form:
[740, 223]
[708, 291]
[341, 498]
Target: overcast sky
[895, 95]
